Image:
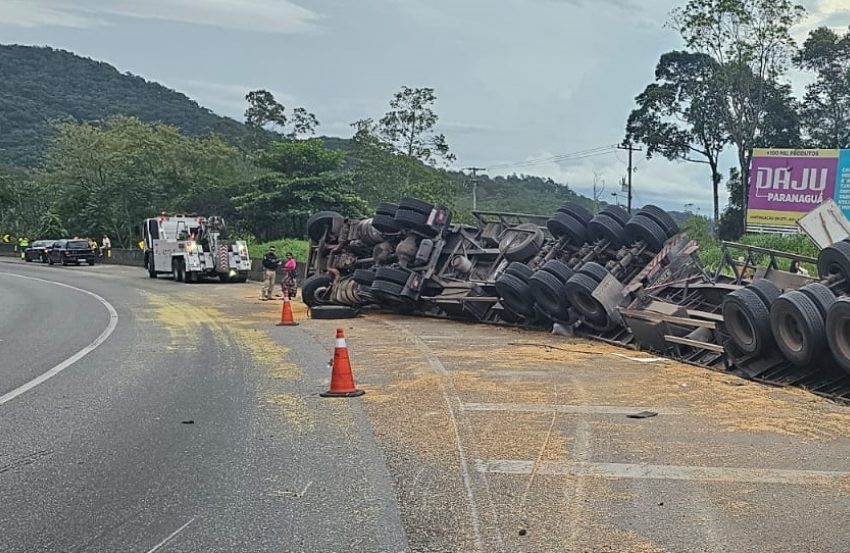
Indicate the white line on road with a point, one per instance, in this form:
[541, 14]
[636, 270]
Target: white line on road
[664, 472]
[110, 328]
[568, 409]
[171, 536]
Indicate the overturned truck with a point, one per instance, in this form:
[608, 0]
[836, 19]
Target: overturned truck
[628, 279]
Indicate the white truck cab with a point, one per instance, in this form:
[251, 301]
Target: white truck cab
[191, 247]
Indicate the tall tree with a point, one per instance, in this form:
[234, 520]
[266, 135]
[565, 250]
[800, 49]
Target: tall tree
[751, 42]
[264, 113]
[677, 115]
[409, 126]
[826, 106]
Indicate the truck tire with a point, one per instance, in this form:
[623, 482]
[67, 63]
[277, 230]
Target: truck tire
[821, 296]
[594, 270]
[149, 264]
[519, 270]
[515, 295]
[385, 223]
[364, 277]
[617, 213]
[766, 290]
[835, 259]
[319, 222]
[333, 312]
[642, 228]
[243, 277]
[838, 332]
[563, 224]
[798, 328]
[413, 204]
[389, 274]
[577, 212]
[603, 227]
[579, 290]
[748, 321]
[523, 244]
[548, 292]
[312, 288]
[558, 268]
[387, 209]
[662, 218]
[176, 271]
[189, 277]
[387, 288]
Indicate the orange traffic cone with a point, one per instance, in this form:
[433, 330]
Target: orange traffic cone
[342, 381]
[286, 318]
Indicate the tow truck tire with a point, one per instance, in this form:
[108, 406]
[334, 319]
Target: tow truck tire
[321, 221]
[617, 213]
[563, 224]
[748, 321]
[594, 270]
[389, 274]
[522, 246]
[579, 290]
[821, 296]
[838, 332]
[176, 270]
[413, 204]
[189, 277]
[642, 228]
[835, 259]
[662, 218]
[766, 290]
[604, 227]
[149, 263]
[798, 328]
[515, 295]
[577, 212]
[243, 276]
[519, 270]
[312, 285]
[558, 268]
[548, 292]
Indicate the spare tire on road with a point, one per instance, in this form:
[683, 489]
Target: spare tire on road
[838, 332]
[313, 287]
[747, 320]
[798, 328]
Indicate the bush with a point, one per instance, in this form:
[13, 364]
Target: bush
[297, 246]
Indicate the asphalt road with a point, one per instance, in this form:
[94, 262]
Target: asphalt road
[177, 433]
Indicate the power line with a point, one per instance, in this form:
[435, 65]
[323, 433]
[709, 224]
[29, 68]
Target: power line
[628, 146]
[580, 154]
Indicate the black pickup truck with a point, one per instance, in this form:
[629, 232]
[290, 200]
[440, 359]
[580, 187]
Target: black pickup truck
[71, 251]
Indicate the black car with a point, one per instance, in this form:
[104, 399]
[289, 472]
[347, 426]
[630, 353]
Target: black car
[38, 251]
[71, 251]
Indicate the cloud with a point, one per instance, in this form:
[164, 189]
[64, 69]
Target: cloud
[226, 99]
[269, 16]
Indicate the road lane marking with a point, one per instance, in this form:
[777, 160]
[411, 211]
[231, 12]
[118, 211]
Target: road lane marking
[663, 472]
[568, 409]
[110, 328]
[171, 536]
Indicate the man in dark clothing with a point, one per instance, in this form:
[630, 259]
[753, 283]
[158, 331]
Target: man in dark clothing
[270, 265]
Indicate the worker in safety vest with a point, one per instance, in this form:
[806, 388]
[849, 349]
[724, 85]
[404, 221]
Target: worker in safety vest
[23, 244]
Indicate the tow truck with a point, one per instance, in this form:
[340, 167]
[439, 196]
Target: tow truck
[192, 247]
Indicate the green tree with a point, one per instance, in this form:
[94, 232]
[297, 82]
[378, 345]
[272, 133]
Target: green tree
[264, 113]
[298, 179]
[677, 115]
[826, 107]
[751, 42]
[731, 225]
[409, 126]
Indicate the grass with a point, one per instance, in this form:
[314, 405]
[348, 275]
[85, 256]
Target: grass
[297, 246]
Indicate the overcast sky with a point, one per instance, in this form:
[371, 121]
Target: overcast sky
[516, 80]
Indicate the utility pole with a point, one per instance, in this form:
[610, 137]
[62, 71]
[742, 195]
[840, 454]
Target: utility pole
[628, 146]
[474, 171]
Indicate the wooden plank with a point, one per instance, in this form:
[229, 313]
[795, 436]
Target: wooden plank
[716, 317]
[659, 317]
[694, 343]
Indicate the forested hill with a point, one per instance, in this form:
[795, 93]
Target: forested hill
[516, 193]
[40, 84]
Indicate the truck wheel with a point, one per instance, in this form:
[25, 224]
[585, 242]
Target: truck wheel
[662, 218]
[519, 270]
[176, 271]
[385, 223]
[397, 276]
[617, 213]
[521, 243]
[321, 221]
[642, 228]
[364, 277]
[243, 277]
[748, 321]
[189, 277]
[798, 328]
[413, 204]
[515, 295]
[603, 227]
[577, 212]
[835, 259]
[594, 270]
[548, 292]
[821, 296]
[314, 287]
[564, 224]
[838, 332]
[766, 290]
[150, 265]
[579, 290]
[559, 269]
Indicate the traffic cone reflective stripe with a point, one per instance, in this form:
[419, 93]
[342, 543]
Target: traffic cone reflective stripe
[342, 379]
[286, 318]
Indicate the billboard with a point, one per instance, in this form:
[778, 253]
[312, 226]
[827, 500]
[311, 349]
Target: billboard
[787, 184]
